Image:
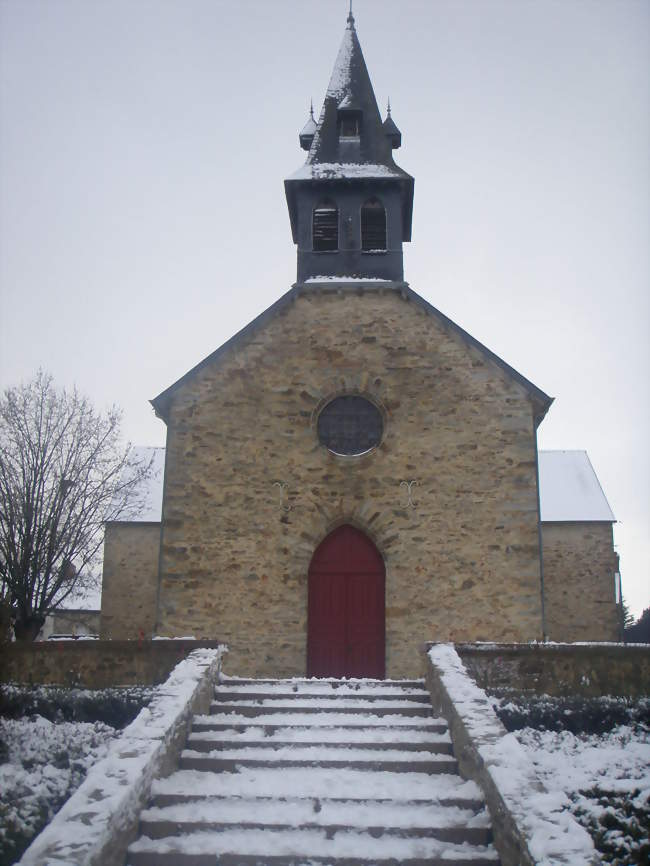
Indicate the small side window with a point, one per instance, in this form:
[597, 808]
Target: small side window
[349, 127]
[373, 226]
[325, 227]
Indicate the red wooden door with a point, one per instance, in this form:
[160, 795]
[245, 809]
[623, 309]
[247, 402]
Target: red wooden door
[346, 634]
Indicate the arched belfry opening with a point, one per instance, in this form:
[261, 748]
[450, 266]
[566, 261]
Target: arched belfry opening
[325, 227]
[373, 226]
[346, 607]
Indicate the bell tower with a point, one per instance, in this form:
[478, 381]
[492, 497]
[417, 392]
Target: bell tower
[350, 204]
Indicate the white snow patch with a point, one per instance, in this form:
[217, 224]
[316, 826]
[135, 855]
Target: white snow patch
[553, 835]
[351, 703]
[569, 489]
[150, 489]
[319, 782]
[616, 762]
[286, 718]
[333, 170]
[295, 812]
[311, 843]
[341, 74]
[44, 764]
[316, 753]
[116, 787]
[320, 735]
[318, 687]
[330, 279]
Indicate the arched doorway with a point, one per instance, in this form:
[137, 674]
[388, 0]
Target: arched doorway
[346, 618]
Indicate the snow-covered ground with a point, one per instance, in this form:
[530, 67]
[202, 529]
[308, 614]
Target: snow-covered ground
[607, 778]
[49, 739]
[43, 762]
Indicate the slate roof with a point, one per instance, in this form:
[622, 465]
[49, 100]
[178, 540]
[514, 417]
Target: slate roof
[350, 88]
[569, 489]
[331, 157]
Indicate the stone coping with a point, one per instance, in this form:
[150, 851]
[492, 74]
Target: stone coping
[531, 826]
[95, 664]
[560, 669]
[99, 821]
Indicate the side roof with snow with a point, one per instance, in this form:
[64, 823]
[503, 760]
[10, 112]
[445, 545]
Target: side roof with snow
[569, 489]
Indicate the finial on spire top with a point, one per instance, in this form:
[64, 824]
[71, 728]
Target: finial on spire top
[389, 106]
[311, 108]
[351, 17]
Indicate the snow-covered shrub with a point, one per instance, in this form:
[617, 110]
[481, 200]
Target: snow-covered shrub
[597, 750]
[49, 738]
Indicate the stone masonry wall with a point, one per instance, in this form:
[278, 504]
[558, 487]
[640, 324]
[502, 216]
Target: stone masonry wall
[589, 671]
[94, 664]
[130, 580]
[579, 566]
[250, 492]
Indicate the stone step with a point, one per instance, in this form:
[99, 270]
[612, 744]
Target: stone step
[404, 820]
[304, 846]
[321, 783]
[161, 829]
[218, 802]
[230, 696]
[461, 856]
[198, 742]
[316, 682]
[316, 773]
[273, 721]
[217, 762]
[250, 710]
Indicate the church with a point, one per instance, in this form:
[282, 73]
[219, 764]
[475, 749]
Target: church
[353, 474]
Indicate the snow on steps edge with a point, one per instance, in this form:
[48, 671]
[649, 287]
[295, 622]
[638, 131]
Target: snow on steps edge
[100, 819]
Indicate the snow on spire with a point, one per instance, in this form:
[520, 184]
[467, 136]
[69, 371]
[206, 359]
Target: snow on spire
[342, 72]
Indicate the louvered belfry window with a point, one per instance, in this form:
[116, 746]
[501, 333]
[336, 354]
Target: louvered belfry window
[350, 425]
[325, 227]
[373, 226]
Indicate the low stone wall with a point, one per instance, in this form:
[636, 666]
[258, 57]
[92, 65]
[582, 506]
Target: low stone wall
[94, 664]
[100, 820]
[531, 826]
[586, 670]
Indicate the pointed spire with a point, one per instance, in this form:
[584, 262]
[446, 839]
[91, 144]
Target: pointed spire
[350, 143]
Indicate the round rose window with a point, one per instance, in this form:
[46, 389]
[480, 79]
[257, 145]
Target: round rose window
[350, 425]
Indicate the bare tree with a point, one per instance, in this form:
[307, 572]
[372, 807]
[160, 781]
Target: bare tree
[63, 472]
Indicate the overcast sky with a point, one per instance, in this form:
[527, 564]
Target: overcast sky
[143, 145]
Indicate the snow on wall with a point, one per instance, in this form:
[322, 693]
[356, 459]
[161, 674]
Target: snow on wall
[569, 489]
[100, 819]
[542, 818]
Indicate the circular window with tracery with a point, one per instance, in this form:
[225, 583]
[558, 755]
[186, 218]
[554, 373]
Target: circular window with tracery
[350, 425]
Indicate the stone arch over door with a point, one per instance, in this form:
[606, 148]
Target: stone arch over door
[346, 607]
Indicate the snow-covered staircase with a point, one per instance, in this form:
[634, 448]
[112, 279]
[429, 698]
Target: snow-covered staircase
[301, 772]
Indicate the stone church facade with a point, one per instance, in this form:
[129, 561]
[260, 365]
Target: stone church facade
[353, 474]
